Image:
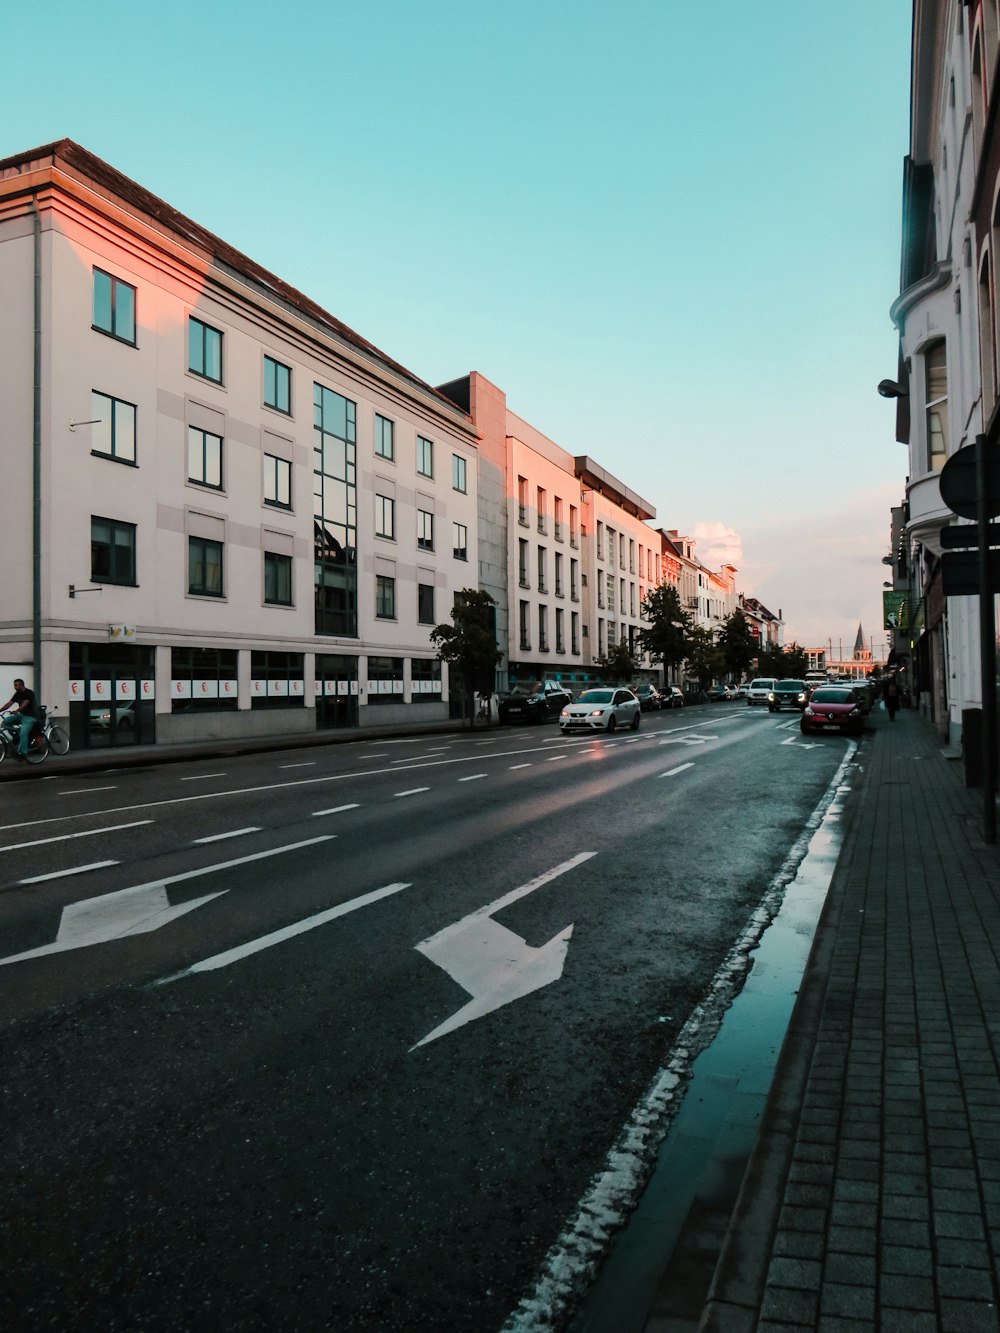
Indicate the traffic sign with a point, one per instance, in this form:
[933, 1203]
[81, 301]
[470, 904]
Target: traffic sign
[962, 538]
[958, 481]
[960, 573]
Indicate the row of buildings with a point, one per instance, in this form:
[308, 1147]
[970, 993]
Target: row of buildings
[229, 514]
[947, 383]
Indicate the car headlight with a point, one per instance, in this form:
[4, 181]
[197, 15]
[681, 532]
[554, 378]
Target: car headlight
[770, 697]
[809, 712]
[564, 713]
[597, 712]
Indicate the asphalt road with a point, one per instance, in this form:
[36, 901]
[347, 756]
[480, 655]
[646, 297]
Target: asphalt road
[338, 1038]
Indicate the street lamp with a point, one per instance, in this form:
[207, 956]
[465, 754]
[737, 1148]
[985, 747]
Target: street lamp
[890, 389]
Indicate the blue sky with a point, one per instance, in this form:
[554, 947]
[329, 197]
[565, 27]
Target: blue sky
[670, 232]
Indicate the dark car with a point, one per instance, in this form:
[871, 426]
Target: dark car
[671, 696]
[787, 694]
[533, 701]
[649, 697]
[720, 694]
[833, 707]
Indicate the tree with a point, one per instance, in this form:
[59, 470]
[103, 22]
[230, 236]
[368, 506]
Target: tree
[782, 663]
[737, 643]
[704, 657]
[665, 638]
[469, 643]
[618, 664]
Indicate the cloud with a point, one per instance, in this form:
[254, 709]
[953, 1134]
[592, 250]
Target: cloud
[717, 545]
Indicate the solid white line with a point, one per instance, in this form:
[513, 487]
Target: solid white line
[307, 763]
[83, 791]
[472, 777]
[202, 777]
[674, 771]
[61, 874]
[414, 791]
[62, 837]
[279, 936]
[336, 810]
[218, 837]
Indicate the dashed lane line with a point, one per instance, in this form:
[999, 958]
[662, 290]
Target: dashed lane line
[63, 837]
[414, 791]
[672, 773]
[335, 810]
[220, 837]
[62, 874]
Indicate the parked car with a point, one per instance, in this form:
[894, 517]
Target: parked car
[532, 701]
[787, 694]
[671, 696]
[833, 707]
[743, 690]
[649, 697]
[759, 691]
[602, 709]
[720, 694]
[100, 716]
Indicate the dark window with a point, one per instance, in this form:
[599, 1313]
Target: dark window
[384, 443]
[335, 512]
[277, 579]
[204, 458]
[425, 603]
[203, 680]
[277, 384]
[112, 551]
[276, 680]
[460, 541]
[425, 680]
[113, 427]
[425, 530]
[385, 516]
[114, 307]
[204, 350]
[277, 481]
[425, 456]
[385, 597]
[385, 680]
[204, 567]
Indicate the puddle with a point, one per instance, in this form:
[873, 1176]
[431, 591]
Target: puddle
[661, 1262]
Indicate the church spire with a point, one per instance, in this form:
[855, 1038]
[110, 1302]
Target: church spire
[859, 644]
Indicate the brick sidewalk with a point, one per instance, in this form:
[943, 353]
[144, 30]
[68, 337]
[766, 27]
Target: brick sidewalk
[872, 1200]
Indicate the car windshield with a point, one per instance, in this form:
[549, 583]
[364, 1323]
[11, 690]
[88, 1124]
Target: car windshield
[790, 686]
[525, 688]
[595, 697]
[826, 695]
[762, 685]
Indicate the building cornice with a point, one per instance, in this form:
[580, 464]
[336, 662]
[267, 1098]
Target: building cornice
[938, 278]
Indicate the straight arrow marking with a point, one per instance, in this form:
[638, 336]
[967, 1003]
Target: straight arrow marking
[490, 962]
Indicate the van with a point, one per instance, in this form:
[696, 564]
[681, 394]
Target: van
[759, 691]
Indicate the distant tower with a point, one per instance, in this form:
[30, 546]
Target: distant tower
[861, 653]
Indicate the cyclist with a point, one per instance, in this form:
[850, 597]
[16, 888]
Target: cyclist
[27, 715]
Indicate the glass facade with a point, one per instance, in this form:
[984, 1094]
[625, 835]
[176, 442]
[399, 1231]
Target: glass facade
[335, 512]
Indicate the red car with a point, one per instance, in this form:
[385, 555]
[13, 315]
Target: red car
[833, 707]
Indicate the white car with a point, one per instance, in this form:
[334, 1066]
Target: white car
[759, 691]
[743, 690]
[601, 709]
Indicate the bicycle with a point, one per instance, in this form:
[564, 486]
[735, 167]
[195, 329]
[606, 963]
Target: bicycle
[57, 738]
[38, 747]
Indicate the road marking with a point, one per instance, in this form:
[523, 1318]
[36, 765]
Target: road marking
[672, 773]
[490, 962]
[79, 791]
[286, 933]
[414, 791]
[472, 777]
[61, 874]
[513, 766]
[63, 837]
[219, 837]
[306, 763]
[203, 777]
[802, 745]
[336, 810]
[137, 910]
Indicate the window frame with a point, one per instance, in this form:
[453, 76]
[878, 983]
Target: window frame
[423, 590]
[385, 596]
[425, 526]
[280, 463]
[380, 452]
[459, 474]
[280, 563]
[113, 452]
[460, 551]
[115, 284]
[385, 517]
[202, 481]
[205, 543]
[425, 454]
[275, 406]
[203, 374]
[114, 576]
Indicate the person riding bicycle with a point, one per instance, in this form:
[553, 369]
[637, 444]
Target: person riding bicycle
[26, 717]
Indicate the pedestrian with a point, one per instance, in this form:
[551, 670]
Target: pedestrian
[891, 698]
[25, 715]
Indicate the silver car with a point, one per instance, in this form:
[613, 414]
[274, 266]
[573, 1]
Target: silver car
[601, 709]
[759, 691]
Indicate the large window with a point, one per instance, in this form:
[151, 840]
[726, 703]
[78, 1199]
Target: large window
[425, 680]
[385, 445]
[458, 473]
[203, 680]
[277, 385]
[385, 597]
[204, 458]
[276, 680]
[385, 516]
[204, 567]
[113, 431]
[204, 350]
[425, 456]
[277, 481]
[114, 307]
[112, 551]
[385, 680]
[936, 370]
[277, 579]
[335, 512]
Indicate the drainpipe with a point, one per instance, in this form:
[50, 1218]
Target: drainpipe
[36, 461]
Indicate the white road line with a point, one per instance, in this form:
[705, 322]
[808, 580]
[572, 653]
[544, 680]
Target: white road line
[63, 837]
[472, 777]
[219, 837]
[513, 766]
[202, 777]
[61, 874]
[414, 791]
[84, 791]
[671, 773]
[279, 936]
[335, 810]
[554, 757]
[307, 763]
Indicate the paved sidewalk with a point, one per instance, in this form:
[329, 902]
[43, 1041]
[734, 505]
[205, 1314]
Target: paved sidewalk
[872, 1199]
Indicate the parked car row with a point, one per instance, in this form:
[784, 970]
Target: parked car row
[534, 701]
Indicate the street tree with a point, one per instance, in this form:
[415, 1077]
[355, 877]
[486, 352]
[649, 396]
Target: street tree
[782, 663]
[737, 643]
[665, 636]
[618, 665]
[704, 656]
[469, 643]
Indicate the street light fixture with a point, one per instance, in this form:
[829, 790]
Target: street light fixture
[890, 389]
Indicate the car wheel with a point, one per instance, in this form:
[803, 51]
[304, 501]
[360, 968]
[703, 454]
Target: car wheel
[612, 723]
[635, 722]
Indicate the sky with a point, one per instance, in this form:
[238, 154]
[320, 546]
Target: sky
[669, 232]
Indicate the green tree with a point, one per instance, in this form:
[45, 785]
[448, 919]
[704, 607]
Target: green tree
[796, 662]
[738, 645]
[704, 657]
[469, 643]
[618, 665]
[665, 637]
[782, 663]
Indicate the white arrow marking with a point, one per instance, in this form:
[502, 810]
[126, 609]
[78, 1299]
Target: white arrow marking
[802, 745]
[672, 773]
[493, 964]
[688, 740]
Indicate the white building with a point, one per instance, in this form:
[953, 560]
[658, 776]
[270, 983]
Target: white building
[228, 514]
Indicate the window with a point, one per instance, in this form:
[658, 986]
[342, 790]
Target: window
[631, 556]
[560, 635]
[335, 512]
[384, 443]
[112, 551]
[522, 501]
[277, 680]
[559, 575]
[425, 603]
[458, 473]
[600, 540]
[385, 597]
[277, 384]
[525, 626]
[385, 680]
[460, 542]
[542, 584]
[574, 526]
[277, 481]
[385, 517]
[425, 530]
[425, 456]
[936, 370]
[540, 510]
[204, 350]
[114, 307]
[204, 567]
[113, 434]
[204, 458]
[543, 629]
[277, 579]
[522, 563]
[574, 630]
[574, 589]
[425, 680]
[557, 505]
[203, 680]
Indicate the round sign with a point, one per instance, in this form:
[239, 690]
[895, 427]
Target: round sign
[958, 481]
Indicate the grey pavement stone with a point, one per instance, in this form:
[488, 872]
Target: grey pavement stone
[854, 1302]
[975, 1284]
[905, 1205]
[908, 1292]
[962, 1253]
[847, 1214]
[855, 1191]
[789, 1306]
[967, 1317]
[908, 1321]
[799, 1244]
[853, 1269]
[804, 1274]
[906, 1260]
[854, 1240]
